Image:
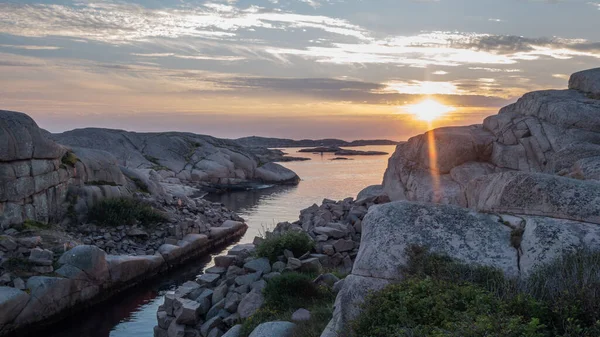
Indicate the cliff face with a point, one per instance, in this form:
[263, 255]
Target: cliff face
[36, 173]
[530, 172]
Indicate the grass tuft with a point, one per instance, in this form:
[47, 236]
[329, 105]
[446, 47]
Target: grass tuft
[124, 211]
[274, 244]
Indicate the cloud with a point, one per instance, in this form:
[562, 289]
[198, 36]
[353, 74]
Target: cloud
[446, 49]
[29, 47]
[118, 23]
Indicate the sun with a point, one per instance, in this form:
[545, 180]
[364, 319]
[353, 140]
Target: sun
[429, 110]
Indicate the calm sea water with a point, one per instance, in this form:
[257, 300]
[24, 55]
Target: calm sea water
[133, 314]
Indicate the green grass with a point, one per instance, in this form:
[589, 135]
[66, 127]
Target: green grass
[124, 211]
[286, 294]
[441, 297]
[275, 244]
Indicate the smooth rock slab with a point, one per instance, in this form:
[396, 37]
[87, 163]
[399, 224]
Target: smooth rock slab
[536, 194]
[460, 233]
[547, 239]
[274, 329]
[12, 301]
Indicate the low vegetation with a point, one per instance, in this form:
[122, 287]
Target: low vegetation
[124, 211]
[275, 244]
[69, 159]
[140, 185]
[289, 292]
[441, 297]
[35, 225]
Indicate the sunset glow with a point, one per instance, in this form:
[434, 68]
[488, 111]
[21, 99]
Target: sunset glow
[429, 110]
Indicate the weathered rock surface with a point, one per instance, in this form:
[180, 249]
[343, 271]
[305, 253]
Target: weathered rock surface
[181, 156]
[274, 329]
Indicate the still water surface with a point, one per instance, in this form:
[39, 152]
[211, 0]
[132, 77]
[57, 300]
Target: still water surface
[133, 313]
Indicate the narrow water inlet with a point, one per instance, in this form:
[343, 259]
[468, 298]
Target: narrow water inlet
[131, 313]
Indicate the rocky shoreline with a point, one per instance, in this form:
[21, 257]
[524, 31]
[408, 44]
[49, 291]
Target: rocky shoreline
[55, 258]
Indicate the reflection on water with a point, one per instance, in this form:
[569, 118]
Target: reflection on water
[133, 313]
[321, 178]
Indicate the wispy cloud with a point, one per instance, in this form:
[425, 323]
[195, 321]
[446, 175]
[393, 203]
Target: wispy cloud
[124, 23]
[28, 47]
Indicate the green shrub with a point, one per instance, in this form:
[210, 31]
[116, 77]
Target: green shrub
[428, 307]
[571, 287]
[422, 264]
[559, 299]
[293, 291]
[124, 211]
[287, 293]
[274, 244]
[69, 159]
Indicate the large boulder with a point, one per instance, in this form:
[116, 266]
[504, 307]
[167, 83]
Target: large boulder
[470, 237]
[586, 81]
[90, 260]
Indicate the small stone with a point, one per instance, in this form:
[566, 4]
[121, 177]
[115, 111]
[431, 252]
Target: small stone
[219, 293]
[272, 329]
[208, 279]
[210, 324]
[248, 278]
[259, 285]
[293, 264]
[250, 304]
[288, 254]
[19, 283]
[301, 315]
[258, 265]
[224, 260]
[278, 266]
[343, 245]
[311, 265]
[271, 275]
[41, 257]
[216, 270]
[231, 301]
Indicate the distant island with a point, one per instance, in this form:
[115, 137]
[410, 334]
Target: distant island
[255, 141]
[341, 152]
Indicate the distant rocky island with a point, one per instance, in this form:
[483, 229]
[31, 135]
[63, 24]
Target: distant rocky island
[255, 141]
[342, 152]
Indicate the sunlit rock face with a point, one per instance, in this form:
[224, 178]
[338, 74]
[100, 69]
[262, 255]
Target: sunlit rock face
[532, 171]
[553, 131]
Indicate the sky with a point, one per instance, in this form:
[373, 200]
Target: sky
[349, 69]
